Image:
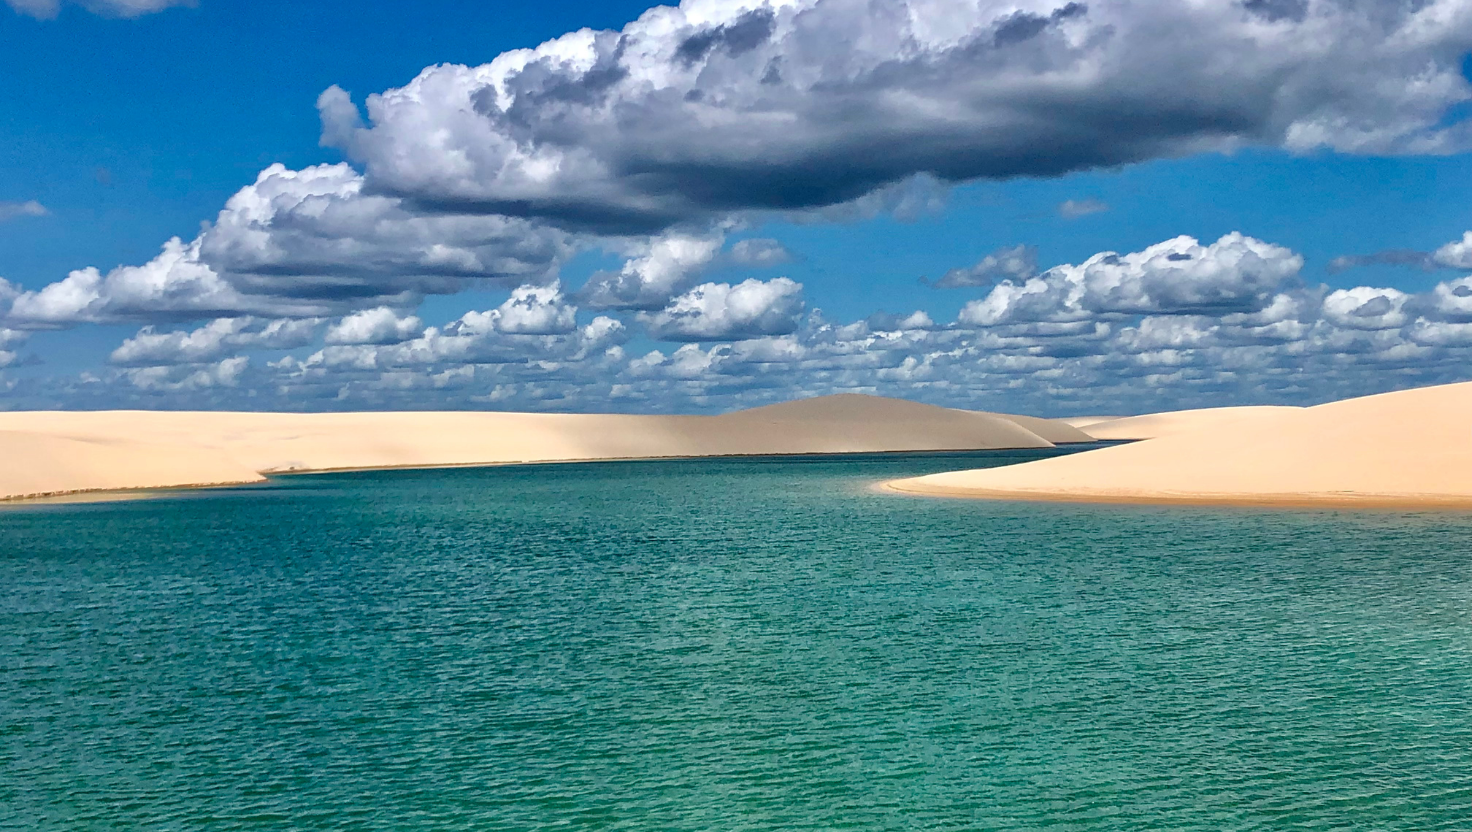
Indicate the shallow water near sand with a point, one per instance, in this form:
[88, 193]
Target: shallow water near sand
[754, 644]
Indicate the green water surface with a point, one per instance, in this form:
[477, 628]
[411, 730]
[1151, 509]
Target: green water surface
[726, 645]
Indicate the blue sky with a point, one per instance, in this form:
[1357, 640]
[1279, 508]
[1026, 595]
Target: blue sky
[624, 221]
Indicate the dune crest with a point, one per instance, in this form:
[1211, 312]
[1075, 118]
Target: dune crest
[1409, 448]
[1155, 425]
[74, 451]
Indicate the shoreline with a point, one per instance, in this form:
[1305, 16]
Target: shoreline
[110, 495]
[1282, 500]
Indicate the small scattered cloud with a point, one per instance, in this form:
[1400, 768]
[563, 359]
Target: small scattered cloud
[1395, 257]
[759, 253]
[49, 9]
[15, 210]
[1072, 209]
[1018, 262]
[1456, 254]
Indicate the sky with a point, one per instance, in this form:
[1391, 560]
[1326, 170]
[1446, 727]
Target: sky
[1059, 208]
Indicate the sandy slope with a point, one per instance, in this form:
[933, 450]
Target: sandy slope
[1056, 431]
[1085, 421]
[1153, 425]
[1411, 448]
[78, 451]
[36, 464]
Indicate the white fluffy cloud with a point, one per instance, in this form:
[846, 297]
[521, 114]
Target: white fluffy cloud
[380, 325]
[658, 270]
[316, 234]
[187, 378]
[1456, 254]
[209, 342]
[531, 310]
[720, 106]
[175, 285]
[1236, 274]
[48, 9]
[722, 312]
[300, 243]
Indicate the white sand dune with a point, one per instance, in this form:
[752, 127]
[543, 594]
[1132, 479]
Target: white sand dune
[1410, 448]
[82, 451]
[38, 464]
[1153, 425]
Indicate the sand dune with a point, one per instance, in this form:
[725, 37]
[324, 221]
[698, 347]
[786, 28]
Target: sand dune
[1410, 448]
[79, 451]
[1154, 425]
[36, 464]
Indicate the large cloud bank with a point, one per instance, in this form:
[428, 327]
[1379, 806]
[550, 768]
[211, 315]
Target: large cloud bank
[720, 106]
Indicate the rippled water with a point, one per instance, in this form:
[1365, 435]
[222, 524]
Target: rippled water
[726, 645]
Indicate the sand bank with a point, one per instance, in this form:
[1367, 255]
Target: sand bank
[60, 452]
[1411, 448]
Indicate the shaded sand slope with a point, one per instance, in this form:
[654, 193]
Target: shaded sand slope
[1053, 430]
[279, 442]
[1410, 448]
[1153, 425]
[1085, 421]
[38, 464]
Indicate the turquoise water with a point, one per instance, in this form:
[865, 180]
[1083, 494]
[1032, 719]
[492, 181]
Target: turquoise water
[726, 645]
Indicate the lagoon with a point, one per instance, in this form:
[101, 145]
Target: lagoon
[734, 644]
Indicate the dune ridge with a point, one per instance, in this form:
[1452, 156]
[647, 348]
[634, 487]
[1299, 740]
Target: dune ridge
[1155, 425]
[1411, 448]
[61, 452]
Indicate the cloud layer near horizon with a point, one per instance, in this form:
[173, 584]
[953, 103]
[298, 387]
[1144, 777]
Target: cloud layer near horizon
[1178, 323]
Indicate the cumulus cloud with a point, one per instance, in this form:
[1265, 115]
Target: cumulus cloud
[175, 285]
[661, 268]
[722, 312]
[1018, 262]
[1456, 254]
[380, 325]
[1236, 274]
[207, 343]
[1365, 307]
[316, 234]
[49, 9]
[185, 378]
[301, 243]
[29, 208]
[719, 106]
[531, 310]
